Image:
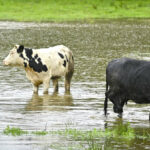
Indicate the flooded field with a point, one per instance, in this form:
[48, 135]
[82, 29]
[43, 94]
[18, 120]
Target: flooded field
[93, 45]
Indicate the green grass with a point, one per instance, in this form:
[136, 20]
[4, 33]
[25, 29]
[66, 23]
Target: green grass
[120, 131]
[14, 131]
[72, 10]
[40, 132]
[18, 132]
[90, 138]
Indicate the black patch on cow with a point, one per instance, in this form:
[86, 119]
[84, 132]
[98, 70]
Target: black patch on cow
[44, 68]
[25, 64]
[64, 64]
[21, 55]
[39, 60]
[36, 56]
[67, 58]
[61, 55]
[37, 66]
[20, 49]
[28, 52]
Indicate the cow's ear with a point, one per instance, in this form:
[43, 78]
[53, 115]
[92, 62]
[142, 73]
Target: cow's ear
[20, 49]
[15, 46]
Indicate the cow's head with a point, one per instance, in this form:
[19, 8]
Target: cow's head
[118, 104]
[14, 59]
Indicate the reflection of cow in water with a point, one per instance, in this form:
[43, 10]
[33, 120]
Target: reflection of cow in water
[127, 79]
[49, 102]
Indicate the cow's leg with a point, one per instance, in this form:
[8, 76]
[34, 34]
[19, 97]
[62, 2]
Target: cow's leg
[55, 84]
[118, 104]
[35, 88]
[46, 85]
[118, 100]
[68, 77]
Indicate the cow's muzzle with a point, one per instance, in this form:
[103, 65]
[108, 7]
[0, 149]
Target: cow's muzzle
[5, 63]
[118, 109]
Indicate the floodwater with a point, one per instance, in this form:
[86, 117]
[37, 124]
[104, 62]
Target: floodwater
[93, 45]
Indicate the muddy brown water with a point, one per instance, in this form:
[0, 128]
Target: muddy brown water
[93, 45]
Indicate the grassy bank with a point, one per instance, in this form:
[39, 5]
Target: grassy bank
[72, 10]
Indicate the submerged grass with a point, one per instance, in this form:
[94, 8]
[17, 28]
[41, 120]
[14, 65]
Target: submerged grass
[40, 132]
[18, 132]
[72, 10]
[14, 131]
[92, 138]
[119, 131]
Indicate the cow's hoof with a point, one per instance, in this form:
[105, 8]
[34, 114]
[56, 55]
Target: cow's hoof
[67, 92]
[35, 92]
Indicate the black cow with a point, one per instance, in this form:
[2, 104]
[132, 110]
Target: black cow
[127, 79]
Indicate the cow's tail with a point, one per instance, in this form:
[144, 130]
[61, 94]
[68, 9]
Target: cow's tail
[70, 68]
[106, 99]
[71, 62]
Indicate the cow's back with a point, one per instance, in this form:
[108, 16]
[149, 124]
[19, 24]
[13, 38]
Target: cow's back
[131, 77]
[123, 69]
[57, 59]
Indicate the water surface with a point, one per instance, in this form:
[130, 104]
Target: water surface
[93, 45]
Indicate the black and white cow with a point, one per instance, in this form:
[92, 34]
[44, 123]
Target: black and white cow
[127, 79]
[42, 65]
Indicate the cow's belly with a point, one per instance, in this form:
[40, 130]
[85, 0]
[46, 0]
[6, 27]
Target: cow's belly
[140, 98]
[60, 71]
